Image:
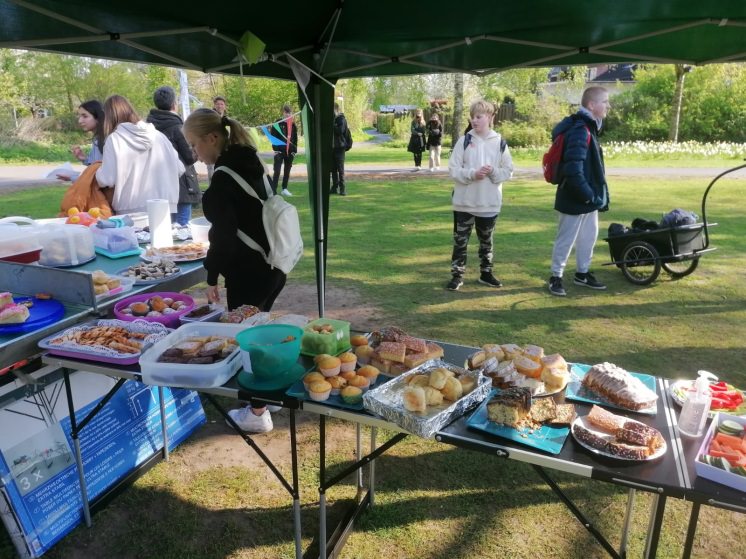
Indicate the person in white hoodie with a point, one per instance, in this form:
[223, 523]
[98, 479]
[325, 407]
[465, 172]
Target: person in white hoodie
[139, 162]
[479, 164]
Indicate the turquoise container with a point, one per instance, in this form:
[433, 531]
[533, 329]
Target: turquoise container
[269, 354]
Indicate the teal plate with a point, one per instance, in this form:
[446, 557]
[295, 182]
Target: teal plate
[576, 391]
[299, 391]
[548, 438]
[249, 381]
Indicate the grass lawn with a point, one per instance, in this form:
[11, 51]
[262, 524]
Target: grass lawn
[390, 241]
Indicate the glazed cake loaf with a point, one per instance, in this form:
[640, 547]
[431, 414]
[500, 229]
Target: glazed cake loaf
[619, 387]
[636, 433]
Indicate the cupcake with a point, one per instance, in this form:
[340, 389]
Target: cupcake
[319, 391]
[364, 353]
[310, 378]
[347, 375]
[348, 362]
[362, 383]
[329, 366]
[369, 372]
[358, 340]
[351, 395]
[317, 359]
[338, 383]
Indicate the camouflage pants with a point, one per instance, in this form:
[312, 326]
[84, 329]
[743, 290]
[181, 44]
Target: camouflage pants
[462, 226]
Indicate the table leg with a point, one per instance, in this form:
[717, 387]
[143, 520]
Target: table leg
[296, 488]
[627, 518]
[654, 525]
[358, 455]
[164, 429]
[372, 467]
[78, 454]
[322, 490]
[691, 531]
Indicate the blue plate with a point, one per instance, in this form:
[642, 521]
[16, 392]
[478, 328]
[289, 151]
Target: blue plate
[299, 391]
[42, 313]
[576, 391]
[548, 438]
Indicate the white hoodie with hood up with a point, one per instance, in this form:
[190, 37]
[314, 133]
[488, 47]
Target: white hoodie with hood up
[141, 164]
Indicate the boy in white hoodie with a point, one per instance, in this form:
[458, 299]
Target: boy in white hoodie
[479, 164]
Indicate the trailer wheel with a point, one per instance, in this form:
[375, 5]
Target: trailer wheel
[641, 263]
[682, 268]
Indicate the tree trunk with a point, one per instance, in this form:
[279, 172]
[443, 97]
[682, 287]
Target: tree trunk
[458, 108]
[678, 97]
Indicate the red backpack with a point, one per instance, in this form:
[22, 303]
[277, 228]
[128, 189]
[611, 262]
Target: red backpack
[550, 163]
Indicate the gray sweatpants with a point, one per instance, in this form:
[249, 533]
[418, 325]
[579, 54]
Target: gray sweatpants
[580, 231]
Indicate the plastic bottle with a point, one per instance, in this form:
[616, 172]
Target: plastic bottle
[696, 407]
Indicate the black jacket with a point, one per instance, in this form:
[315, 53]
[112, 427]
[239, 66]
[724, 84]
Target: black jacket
[282, 135]
[434, 134]
[582, 187]
[228, 208]
[169, 124]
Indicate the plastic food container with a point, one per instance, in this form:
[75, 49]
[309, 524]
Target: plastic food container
[171, 320]
[115, 239]
[19, 244]
[140, 219]
[190, 376]
[199, 228]
[270, 354]
[65, 245]
[325, 335]
[125, 284]
[212, 316]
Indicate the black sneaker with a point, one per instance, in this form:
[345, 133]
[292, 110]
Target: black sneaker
[455, 284]
[556, 287]
[488, 279]
[588, 280]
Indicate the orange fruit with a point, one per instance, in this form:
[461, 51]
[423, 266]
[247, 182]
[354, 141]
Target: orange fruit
[94, 212]
[73, 211]
[73, 219]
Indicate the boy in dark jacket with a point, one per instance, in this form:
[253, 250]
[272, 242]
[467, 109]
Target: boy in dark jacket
[169, 123]
[339, 148]
[582, 191]
[285, 152]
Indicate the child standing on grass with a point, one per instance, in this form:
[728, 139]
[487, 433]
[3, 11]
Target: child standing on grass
[479, 164]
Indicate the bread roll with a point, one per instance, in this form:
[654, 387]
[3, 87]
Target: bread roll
[413, 399]
[527, 367]
[419, 380]
[438, 379]
[511, 351]
[467, 383]
[452, 390]
[433, 397]
[476, 360]
[493, 350]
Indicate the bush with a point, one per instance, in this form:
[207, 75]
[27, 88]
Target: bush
[524, 134]
[384, 123]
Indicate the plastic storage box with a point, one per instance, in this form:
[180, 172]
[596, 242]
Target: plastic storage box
[325, 335]
[200, 227]
[191, 376]
[65, 245]
[212, 316]
[273, 348]
[711, 472]
[19, 244]
[114, 240]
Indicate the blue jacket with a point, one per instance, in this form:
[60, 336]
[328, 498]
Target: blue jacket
[582, 187]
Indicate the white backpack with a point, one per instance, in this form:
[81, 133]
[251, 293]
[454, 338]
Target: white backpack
[281, 224]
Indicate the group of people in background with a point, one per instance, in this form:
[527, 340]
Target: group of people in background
[426, 137]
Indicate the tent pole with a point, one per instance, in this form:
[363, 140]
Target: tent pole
[320, 229]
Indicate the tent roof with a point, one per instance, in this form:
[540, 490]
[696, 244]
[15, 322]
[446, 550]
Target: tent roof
[353, 38]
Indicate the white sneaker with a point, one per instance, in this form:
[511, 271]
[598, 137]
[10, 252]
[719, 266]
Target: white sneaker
[273, 409]
[432, 169]
[286, 192]
[437, 168]
[251, 423]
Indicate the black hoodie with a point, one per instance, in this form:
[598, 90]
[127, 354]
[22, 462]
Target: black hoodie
[228, 208]
[169, 124]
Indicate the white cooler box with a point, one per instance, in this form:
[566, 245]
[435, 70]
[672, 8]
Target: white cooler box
[191, 376]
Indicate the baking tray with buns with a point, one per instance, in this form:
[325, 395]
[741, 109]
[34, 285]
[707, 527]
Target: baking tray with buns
[388, 400]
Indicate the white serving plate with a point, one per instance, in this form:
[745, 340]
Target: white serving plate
[583, 422]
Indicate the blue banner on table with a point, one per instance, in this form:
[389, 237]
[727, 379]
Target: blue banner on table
[39, 474]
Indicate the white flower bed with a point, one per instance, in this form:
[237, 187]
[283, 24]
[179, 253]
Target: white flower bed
[655, 150]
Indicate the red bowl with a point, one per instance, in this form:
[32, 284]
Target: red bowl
[24, 258]
[170, 320]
